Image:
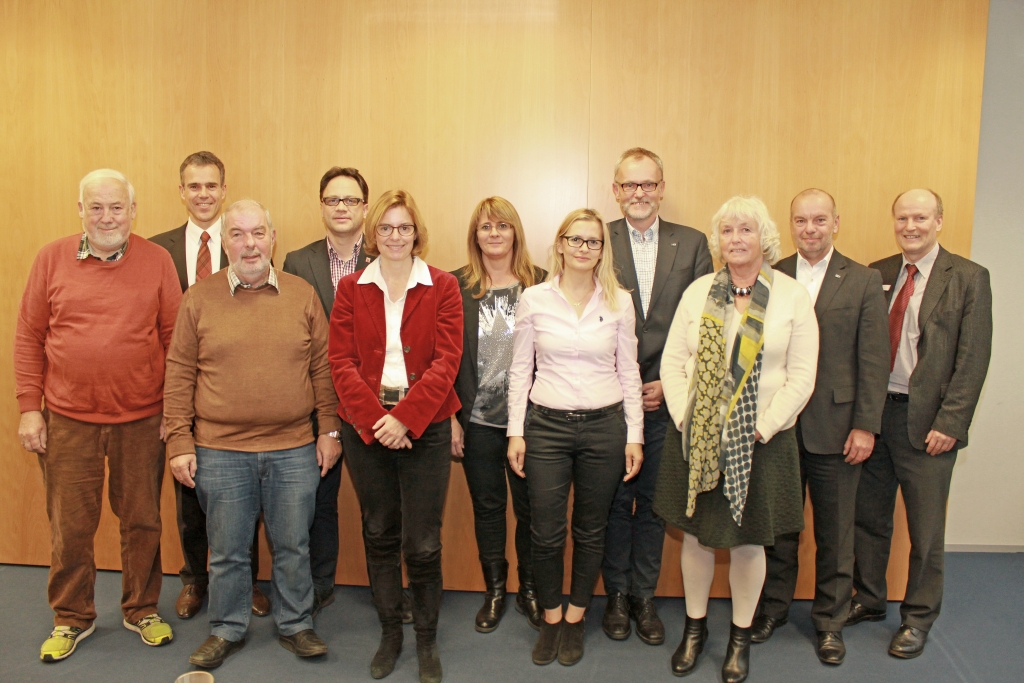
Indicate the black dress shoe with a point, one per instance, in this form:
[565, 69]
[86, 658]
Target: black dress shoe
[616, 617]
[407, 617]
[648, 624]
[736, 666]
[763, 627]
[859, 613]
[908, 642]
[546, 649]
[695, 634]
[214, 651]
[304, 644]
[831, 648]
[570, 645]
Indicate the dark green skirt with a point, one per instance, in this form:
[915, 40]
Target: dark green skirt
[774, 500]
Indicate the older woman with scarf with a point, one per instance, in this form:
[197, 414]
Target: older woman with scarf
[738, 367]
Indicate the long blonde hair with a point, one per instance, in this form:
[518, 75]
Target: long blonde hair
[604, 272]
[497, 209]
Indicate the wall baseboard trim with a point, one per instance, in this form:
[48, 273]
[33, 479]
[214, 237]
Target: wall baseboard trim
[973, 548]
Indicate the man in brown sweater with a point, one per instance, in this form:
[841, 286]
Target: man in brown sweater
[246, 368]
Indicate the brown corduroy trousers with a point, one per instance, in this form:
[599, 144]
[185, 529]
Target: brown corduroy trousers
[73, 470]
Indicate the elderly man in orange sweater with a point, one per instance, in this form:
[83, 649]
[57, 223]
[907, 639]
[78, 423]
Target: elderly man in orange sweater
[93, 330]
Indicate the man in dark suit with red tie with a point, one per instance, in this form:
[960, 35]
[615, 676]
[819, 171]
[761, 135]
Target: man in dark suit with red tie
[196, 250]
[940, 334]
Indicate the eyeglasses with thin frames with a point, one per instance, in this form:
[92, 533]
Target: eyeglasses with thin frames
[630, 188]
[405, 229]
[488, 228]
[348, 201]
[575, 241]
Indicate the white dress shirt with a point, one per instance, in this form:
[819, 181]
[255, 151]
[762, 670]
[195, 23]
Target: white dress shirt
[582, 363]
[193, 240]
[394, 357]
[644, 246]
[906, 354]
[810, 276]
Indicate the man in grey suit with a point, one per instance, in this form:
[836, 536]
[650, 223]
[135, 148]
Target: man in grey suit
[836, 431]
[940, 334]
[196, 250]
[655, 260]
[343, 206]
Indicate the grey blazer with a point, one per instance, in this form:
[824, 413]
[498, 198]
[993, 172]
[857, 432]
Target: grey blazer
[174, 242]
[313, 265]
[853, 360]
[683, 256]
[954, 349]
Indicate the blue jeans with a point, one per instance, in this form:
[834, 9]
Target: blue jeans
[233, 487]
[635, 540]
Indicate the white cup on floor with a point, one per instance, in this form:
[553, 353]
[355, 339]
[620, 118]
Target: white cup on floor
[195, 677]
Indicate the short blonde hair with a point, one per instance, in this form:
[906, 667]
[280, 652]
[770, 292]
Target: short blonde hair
[390, 200]
[497, 209]
[604, 272]
[749, 209]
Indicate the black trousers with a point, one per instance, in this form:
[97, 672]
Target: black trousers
[323, 535]
[195, 545]
[924, 480]
[588, 456]
[486, 463]
[833, 488]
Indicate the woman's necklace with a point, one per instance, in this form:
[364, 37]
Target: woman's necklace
[740, 291]
[582, 301]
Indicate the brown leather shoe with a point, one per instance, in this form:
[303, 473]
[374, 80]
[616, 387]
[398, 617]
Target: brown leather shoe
[260, 603]
[214, 651]
[304, 644]
[189, 600]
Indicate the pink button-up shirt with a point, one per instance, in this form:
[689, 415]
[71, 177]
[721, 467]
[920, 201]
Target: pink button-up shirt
[581, 363]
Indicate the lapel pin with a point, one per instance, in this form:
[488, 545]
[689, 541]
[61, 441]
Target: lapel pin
[837, 275]
[600, 318]
[672, 244]
[886, 288]
[368, 259]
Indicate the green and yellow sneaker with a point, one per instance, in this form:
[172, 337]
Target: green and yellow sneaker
[62, 642]
[154, 630]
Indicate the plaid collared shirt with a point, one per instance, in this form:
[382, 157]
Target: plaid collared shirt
[235, 283]
[645, 257]
[84, 251]
[339, 268]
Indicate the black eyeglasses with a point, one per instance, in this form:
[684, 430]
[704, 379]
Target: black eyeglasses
[349, 201]
[630, 188]
[405, 229]
[575, 241]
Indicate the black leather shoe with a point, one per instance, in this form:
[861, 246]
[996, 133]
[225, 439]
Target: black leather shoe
[570, 646]
[831, 648]
[859, 613]
[430, 663]
[695, 634]
[489, 616]
[908, 642]
[322, 597]
[407, 617]
[736, 666]
[526, 599]
[387, 652]
[546, 649]
[763, 627]
[616, 617]
[214, 651]
[648, 625]
[304, 644]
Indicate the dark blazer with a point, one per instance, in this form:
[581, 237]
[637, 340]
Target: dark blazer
[683, 256]
[313, 265]
[853, 357]
[467, 383]
[174, 242]
[954, 349]
[431, 338]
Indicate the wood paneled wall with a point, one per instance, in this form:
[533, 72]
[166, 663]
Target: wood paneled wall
[532, 100]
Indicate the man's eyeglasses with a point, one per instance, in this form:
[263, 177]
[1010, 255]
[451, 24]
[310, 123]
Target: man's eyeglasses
[487, 228]
[349, 201]
[630, 188]
[575, 241]
[405, 229]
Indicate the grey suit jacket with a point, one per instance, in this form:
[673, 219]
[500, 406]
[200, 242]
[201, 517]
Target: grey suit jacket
[174, 242]
[683, 256]
[954, 348]
[853, 360]
[313, 265]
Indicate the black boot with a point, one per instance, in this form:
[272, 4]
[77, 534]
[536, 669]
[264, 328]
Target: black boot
[426, 605]
[386, 587]
[526, 598]
[495, 576]
[737, 656]
[695, 634]
[545, 650]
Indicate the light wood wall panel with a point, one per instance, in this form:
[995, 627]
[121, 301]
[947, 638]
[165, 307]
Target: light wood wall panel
[454, 101]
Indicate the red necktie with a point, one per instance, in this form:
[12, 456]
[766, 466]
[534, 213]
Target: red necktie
[896, 315]
[203, 266]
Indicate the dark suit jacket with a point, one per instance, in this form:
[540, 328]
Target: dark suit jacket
[683, 256]
[467, 383]
[853, 357]
[174, 242]
[313, 265]
[954, 349]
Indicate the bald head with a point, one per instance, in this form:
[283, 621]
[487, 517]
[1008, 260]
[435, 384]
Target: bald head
[917, 220]
[815, 192]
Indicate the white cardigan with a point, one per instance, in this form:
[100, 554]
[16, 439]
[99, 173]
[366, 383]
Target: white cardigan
[788, 365]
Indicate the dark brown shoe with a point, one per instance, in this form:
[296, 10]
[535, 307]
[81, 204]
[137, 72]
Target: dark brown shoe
[189, 600]
[908, 642]
[214, 651]
[763, 627]
[260, 603]
[859, 613]
[304, 644]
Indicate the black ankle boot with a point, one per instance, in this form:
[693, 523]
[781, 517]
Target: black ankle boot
[430, 663]
[737, 655]
[495, 576]
[386, 588]
[426, 605]
[695, 634]
[546, 649]
[526, 598]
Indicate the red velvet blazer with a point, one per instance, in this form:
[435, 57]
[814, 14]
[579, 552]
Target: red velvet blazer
[432, 341]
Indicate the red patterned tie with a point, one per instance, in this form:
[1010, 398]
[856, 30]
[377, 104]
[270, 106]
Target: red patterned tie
[898, 312]
[203, 266]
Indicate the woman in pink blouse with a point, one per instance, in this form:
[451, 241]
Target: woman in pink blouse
[574, 418]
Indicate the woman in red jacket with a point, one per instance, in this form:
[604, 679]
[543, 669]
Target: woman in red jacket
[395, 347]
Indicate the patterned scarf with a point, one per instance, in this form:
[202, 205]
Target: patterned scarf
[724, 396]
